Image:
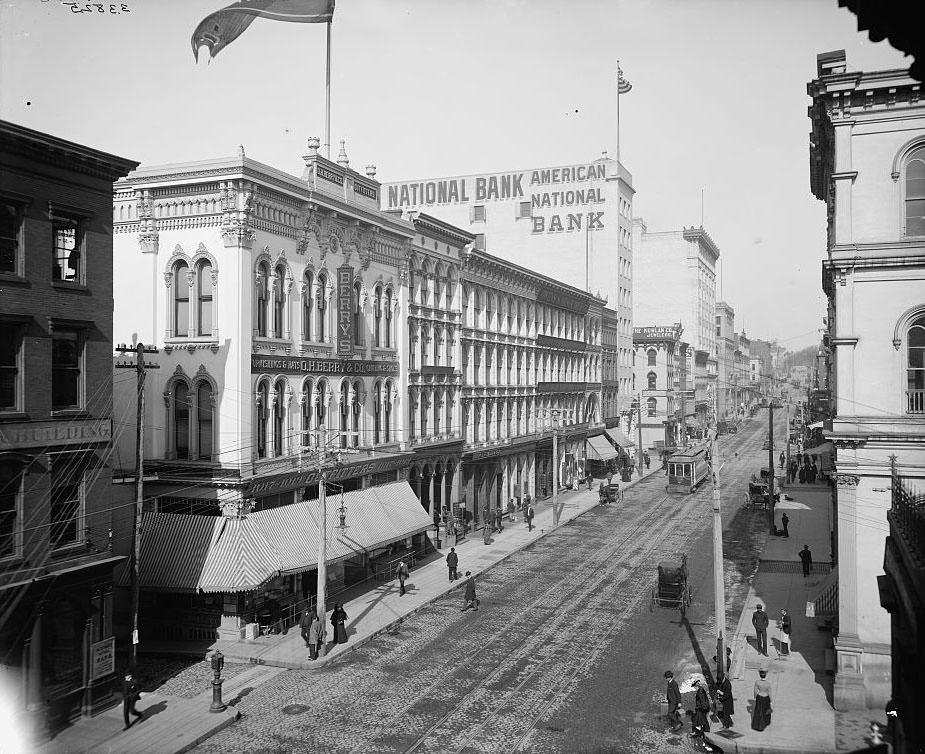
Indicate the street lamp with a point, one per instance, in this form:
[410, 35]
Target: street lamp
[218, 662]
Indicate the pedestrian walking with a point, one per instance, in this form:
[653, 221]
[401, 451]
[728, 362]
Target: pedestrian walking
[785, 521]
[807, 557]
[305, 623]
[801, 474]
[792, 471]
[469, 598]
[528, 517]
[813, 473]
[700, 722]
[725, 704]
[315, 636]
[761, 709]
[786, 626]
[673, 694]
[130, 696]
[499, 519]
[402, 573]
[782, 459]
[760, 622]
[511, 511]
[338, 619]
[452, 562]
[645, 459]
[486, 532]
[800, 458]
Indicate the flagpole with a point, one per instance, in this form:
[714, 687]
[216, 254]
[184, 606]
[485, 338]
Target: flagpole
[618, 117]
[327, 96]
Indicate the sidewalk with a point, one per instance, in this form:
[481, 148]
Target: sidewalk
[173, 724]
[803, 718]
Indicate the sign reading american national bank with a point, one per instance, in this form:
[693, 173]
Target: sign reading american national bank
[303, 365]
[547, 188]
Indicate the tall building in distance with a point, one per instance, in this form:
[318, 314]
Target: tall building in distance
[867, 163]
[62, 533]
[675, 281]
[726, 376]
[571, 223]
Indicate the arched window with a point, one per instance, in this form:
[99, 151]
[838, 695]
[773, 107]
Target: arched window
[181, 412]
[412, 280]
[914, 192]
[650, 406]
[321, 405]
[489, 308]
[307, 415]
[438, 288]
[263, 280]
[438, 339]
[438, 403]
[204, 424]
[307, 307]
[355, 410]
[377, 413]
[425, 292]
[377, 312]
[464, 293]
[279, 406]
[652, 380]
[181, 300]
[388, 317]
[651, 353]
[344, 405]
[204, 299]
[357, 315]
[915, 366]
[322, 329]
[387, 400]
[263, 403]
[279, 302]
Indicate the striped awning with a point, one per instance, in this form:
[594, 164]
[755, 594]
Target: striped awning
[183, 552]
[619, 437]
[599, 449]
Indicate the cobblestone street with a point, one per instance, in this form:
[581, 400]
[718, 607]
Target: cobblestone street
[564, 654]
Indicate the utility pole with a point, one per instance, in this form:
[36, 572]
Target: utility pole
[555, 472]
[719, 594]
[771, 466]
[639, 432]
[320, 606]
[139, 366]
[787, 435]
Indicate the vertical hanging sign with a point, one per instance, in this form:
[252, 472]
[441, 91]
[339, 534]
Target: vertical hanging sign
[345, 310]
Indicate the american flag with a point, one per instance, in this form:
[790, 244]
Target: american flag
[623, 85]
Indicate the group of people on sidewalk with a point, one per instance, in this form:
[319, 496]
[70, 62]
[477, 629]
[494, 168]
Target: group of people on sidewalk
[801, 467]
[760, 621]
[313, 631]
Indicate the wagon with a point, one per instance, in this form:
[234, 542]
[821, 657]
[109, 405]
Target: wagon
[610, 492]
[672, 589]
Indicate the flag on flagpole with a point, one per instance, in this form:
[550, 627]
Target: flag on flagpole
[218, 30]
[623, 85]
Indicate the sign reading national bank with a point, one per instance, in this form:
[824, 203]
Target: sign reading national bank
[302, 365]
[560, 199]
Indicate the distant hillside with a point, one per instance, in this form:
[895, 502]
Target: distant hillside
[803, 357]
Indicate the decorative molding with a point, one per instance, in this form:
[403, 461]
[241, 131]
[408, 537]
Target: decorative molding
[846, 480]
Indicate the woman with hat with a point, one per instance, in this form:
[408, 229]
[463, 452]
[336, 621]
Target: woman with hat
[700, 723]
[761, 709]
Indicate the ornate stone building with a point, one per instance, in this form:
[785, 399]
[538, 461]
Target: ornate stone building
[867, 163]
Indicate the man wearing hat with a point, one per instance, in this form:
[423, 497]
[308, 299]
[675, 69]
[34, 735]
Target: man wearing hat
[760, 622]
[674, 702]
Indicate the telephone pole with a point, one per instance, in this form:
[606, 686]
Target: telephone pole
[639, 433]
[719, 594]
[553, 414]
[139, 366]
[321, 588]
[771, 466]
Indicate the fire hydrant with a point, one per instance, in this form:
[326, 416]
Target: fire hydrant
[218, 662]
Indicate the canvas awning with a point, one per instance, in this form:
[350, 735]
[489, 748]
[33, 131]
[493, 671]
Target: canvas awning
[815, 425]
[599, 449]
[183, 552]
[619, 438]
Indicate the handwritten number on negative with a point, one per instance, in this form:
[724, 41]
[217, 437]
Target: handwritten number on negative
[100, 7]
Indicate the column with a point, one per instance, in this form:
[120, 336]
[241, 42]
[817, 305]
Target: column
[849, 689]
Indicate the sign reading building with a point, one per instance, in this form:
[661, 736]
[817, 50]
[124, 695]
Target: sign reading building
[303, 365]
[345, 310]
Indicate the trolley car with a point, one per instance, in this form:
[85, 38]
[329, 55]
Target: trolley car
[687, 469]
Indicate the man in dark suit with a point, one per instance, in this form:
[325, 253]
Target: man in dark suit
[674, 701]
[130, 695]
[760, 622]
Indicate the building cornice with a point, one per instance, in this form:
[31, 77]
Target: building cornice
[703, 238]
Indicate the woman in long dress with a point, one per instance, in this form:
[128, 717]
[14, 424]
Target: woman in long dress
[761, 710]
[338, 618]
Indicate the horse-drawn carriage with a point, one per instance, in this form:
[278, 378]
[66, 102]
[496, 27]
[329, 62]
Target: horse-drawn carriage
[672, 588]
[609, 492]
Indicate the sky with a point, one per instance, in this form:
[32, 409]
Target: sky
[714, 131]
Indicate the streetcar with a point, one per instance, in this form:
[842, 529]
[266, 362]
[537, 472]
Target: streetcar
[687, 469]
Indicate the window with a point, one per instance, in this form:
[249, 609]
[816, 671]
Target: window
[204, 299]
[479, 241]
[387, 399]
[279, 302]
[66, 504]
[10, 227]
[523, 210]
[181, 411]
[355, 408]
[307, 307]
[478, 213]
[279, 403]
[651, 378]
[263, 402]
[652, 355]
[10, 483]
[263, 280]
[67, 237]
[915, 367]
[388, 318]
[650, 406]
[66, 357]
[438, 289]
[307, 415]
[10, 383]
[322, 329]
[914, 190]
[377, 413]
[377, 313]
[204, 424]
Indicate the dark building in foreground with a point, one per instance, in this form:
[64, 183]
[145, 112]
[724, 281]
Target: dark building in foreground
[57, 516]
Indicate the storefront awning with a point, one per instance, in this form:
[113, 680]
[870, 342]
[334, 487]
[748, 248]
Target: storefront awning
[815, 425]
[599, 449]
[183, 552]
[619, 437]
